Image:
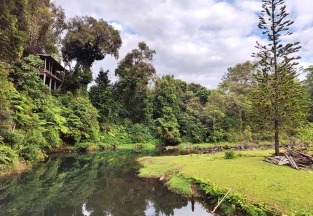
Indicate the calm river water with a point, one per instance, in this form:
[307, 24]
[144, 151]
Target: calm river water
[102, 183]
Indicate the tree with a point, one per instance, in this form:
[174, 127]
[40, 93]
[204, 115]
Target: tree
[165, 96]
[236, 85]
[101, 97]
[36, 116]
[167, 127]
[135, 72]
[194, 87]
[308, 88]
[238, 79]
[45, 24]
[191, 120]
[5, 99]
[26, 77]
[203, 94]
[76, 80]
[88, 40]
[166, 109]
[12, 29]
[81, 119]
[278, 96]
[215, 110]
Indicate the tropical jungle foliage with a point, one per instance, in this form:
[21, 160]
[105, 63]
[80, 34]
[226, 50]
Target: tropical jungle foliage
[141, 106]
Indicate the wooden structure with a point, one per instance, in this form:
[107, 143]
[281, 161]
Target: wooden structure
[53, 73]
[293, 158]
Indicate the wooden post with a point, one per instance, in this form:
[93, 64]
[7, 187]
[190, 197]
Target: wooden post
[44, 78]
[50, 83]
[221, 200]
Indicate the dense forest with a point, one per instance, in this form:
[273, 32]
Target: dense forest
[250, 103]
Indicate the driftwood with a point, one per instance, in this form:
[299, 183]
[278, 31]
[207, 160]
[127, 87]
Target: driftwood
[293, 158]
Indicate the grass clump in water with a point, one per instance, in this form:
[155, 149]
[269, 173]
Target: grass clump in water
[180, 185]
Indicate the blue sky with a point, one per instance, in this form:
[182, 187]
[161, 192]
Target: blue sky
[194, 40]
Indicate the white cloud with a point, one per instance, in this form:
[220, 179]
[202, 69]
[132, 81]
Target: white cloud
[195, 40]
[117, 26]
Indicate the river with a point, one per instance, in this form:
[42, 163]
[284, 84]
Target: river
[101, 183]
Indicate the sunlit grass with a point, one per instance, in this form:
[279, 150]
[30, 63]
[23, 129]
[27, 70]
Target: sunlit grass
[278, 187]
[146, 146]
[180, 185]
[223, 144]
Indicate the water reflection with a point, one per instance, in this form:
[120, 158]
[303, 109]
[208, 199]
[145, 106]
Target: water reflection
[187, 210]
[85, 211]
[90, 184]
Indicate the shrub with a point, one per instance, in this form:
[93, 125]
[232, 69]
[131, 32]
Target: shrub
[81, 120]
[229, 154]
[7, 156]
[139, 133]
[167, 127]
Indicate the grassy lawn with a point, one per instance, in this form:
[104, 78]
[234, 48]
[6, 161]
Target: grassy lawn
[135, 146]
[280, 188]
[223, 144]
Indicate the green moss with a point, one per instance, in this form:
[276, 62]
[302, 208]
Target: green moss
[279, 188]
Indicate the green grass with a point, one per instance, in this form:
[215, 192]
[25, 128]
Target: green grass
[134, 146]
[180, 185]
[280, 188]
[223, 144]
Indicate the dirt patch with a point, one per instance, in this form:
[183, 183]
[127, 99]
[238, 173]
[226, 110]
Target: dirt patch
[197, 192]
[148, 160]
[180, 169]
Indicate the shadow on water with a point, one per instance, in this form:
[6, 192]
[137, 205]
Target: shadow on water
[103, 183]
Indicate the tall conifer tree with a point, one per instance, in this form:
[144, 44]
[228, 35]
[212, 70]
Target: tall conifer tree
[278, 95]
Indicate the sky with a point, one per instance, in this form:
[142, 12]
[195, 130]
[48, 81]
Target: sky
[195, 40]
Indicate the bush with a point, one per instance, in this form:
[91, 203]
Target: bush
[305, 133]
[7, 156]
[81, 120]
[247, 134]
[229, 154]
[139, 133]
[167, 127]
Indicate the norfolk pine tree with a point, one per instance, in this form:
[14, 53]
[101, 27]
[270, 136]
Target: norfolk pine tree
[278, 96]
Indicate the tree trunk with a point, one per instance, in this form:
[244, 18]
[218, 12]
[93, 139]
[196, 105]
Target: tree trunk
[276, 138]
[276, 123]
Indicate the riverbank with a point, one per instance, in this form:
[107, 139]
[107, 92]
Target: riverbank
[267, 187]
[18, 166]
[91, 147]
